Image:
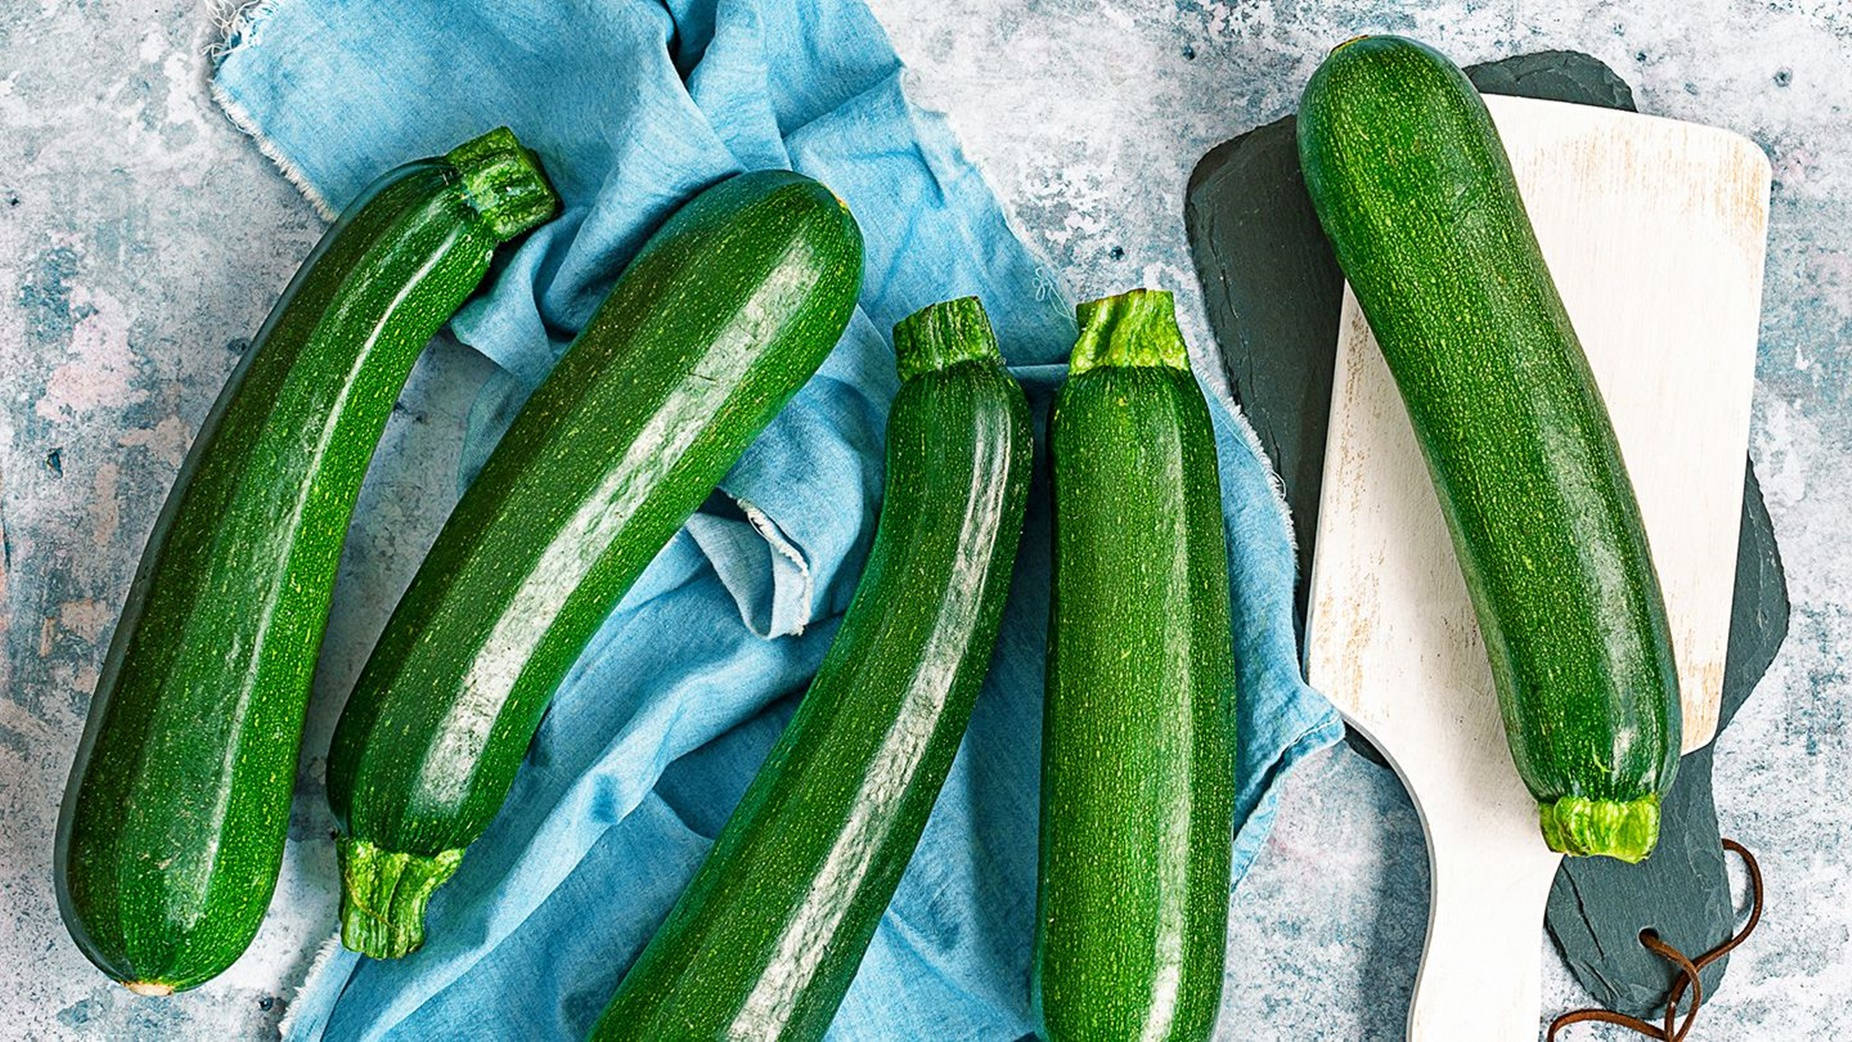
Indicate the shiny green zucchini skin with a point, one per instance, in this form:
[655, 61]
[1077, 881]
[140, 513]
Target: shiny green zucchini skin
[1415, 191]
[1137, 754]
[172, 831]
[767, 937]
[721, 317]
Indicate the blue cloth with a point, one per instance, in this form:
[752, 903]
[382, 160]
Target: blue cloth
[633, 105]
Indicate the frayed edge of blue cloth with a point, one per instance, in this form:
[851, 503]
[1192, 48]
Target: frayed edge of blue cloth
[782, 546]
[1275, 484]
[240, 22]
[330, 952]
[242, 119]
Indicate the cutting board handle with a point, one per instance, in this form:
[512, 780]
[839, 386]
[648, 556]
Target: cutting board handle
[1482, 970]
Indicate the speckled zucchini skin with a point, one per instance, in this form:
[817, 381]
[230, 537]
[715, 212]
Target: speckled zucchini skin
[723, 315]
[1417, 196]
[766, 939]
[172, 832]
[1137, 754]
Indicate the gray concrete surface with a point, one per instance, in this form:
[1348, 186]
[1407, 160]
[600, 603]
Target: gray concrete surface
[142, 238]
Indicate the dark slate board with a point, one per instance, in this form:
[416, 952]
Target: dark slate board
[1273, 293]
[1597, 933]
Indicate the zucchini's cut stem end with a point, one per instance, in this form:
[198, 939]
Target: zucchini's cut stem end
[149, 988]
[383, 896]
[939, 336]
[1581, 827]
[504, 182]
[1138, 328]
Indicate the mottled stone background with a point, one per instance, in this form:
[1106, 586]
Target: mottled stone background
[142, 240]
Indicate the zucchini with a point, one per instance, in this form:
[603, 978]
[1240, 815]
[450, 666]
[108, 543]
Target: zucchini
[1137, 756]
[1416, 194]
[721, 317]
[172, 830]
[764, 942]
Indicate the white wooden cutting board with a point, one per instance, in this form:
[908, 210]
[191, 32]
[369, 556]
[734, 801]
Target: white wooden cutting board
[1655, 232]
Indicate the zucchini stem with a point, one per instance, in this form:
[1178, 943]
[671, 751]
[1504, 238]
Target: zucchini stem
[1581, 827]
[939, 336]
[383, 895]
[1137, 328]
[504, 183]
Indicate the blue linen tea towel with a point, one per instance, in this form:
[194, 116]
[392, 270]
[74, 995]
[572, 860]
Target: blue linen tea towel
[634, 105]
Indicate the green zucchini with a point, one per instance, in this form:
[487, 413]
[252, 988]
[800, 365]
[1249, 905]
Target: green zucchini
[1416, 194]
[725, 312]
[1137, 755]
[172, 831]
[764, 942]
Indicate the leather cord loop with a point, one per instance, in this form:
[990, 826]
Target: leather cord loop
[1674, 1030]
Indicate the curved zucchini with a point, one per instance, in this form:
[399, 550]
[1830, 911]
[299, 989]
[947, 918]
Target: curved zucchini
[764, 942]
[721, 317]
[1417, 196]
[1137, 761]
[172, 831]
